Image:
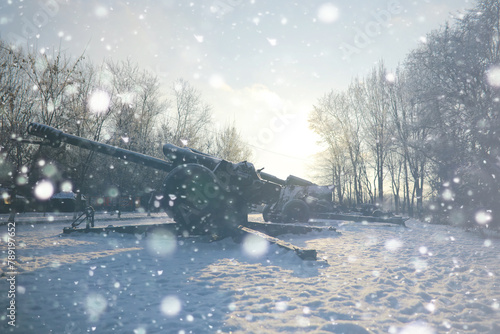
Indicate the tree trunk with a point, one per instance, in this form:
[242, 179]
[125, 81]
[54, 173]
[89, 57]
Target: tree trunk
[407, 189]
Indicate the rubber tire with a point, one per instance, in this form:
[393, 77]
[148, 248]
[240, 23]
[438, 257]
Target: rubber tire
[296, 210]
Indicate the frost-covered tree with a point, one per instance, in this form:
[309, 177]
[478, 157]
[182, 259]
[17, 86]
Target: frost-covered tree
[51, 74]
[372, 101]
[455, 80]
[17, 102]
[135, 103]
[332, 168]
[50, 77]
[187, 121]
[227, 144]
[89, 113]
[336, 121]
[409, 135]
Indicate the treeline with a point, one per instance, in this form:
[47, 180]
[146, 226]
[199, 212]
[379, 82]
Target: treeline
[115, 103]
[423, 138]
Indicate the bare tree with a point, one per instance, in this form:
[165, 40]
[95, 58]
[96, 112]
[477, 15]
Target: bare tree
[395, 162]
[50, 76]
[451, 80]
[187, 122]
[227, 144]
[135, 104]
[372, 100]
[332, 166]
[16, 109]
[339, 127]
[87, 122]
[411, 131]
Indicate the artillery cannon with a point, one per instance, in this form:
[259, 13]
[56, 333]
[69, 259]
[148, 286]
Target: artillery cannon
[298, 201]
[301, 200]
[202, 193]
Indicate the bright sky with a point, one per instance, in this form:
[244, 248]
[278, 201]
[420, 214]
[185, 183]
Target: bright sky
[260, 64]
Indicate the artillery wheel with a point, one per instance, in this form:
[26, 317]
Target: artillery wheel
[296, 210]
[192, 197]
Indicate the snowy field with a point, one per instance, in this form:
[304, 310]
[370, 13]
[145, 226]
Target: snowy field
[371, 279]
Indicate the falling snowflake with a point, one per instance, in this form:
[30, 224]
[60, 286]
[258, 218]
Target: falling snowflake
[493, 76]
[95, 305]
[44, 190]
[161, 243]
[393, 245]
[99, 102]
[483, 217]
[255, 246]
[328, 13]
[171, 306]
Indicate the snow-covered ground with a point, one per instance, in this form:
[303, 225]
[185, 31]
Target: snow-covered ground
[371, 279]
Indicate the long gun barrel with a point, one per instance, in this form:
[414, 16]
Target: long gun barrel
[177, 155]
[56, 138]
